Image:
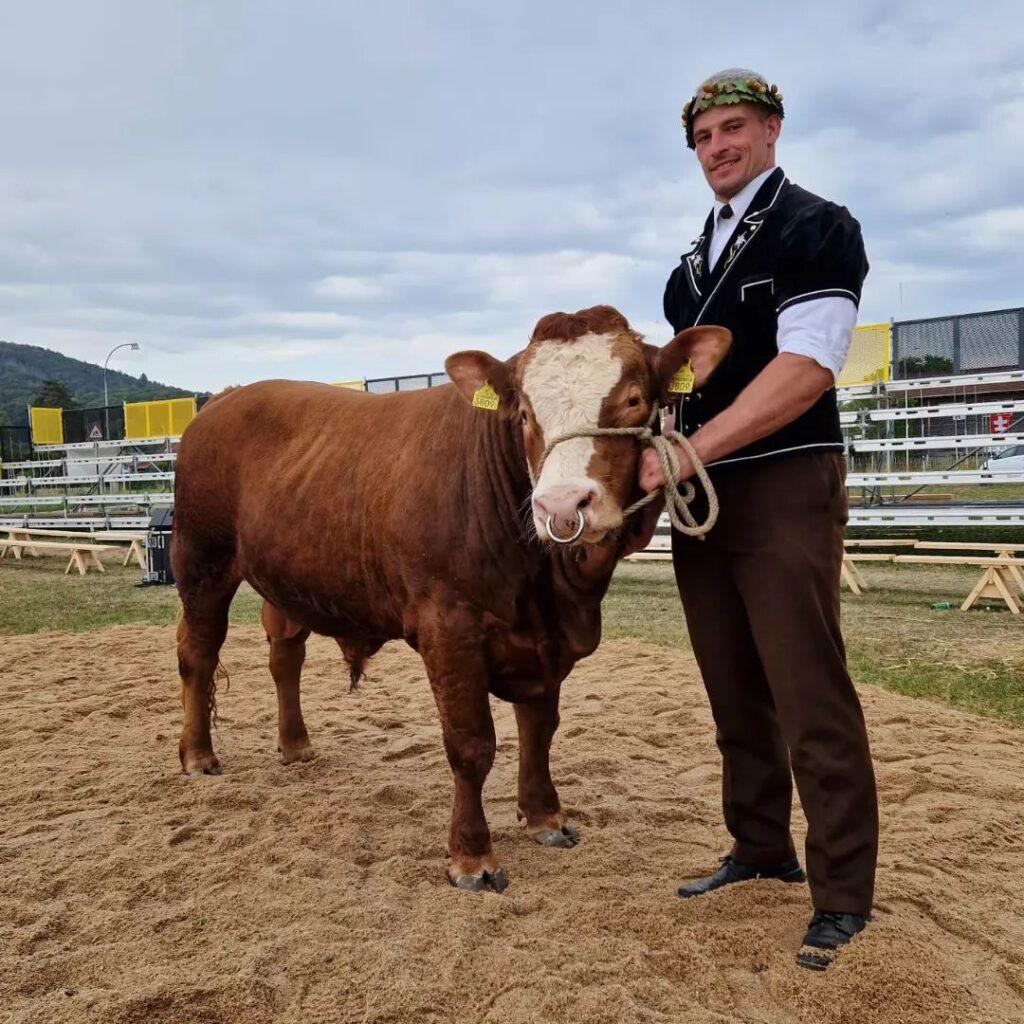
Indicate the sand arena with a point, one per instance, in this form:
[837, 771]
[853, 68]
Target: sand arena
[318, 892]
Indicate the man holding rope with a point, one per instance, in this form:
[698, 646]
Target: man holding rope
[782, 269]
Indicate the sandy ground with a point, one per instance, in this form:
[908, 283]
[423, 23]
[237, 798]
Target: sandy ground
[317, 892]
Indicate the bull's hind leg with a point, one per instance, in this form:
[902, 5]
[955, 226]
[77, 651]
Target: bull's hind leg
[287, 653]
[201, 632]
[538, 799]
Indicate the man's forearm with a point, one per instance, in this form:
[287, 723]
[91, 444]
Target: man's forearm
[787, 387]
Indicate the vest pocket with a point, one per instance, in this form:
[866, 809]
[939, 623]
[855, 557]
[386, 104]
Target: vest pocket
[758, 288]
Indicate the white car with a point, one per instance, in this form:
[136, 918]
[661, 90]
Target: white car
[1010, 459]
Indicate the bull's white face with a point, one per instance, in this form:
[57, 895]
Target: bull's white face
[565, 385]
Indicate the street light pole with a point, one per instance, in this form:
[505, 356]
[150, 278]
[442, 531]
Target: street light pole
[134, 346]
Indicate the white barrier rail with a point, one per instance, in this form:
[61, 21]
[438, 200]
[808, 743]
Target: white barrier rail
[957, 410]
[76, 500]
[963, 380]
[76, 523]
[90, 479]
[122, 443]
[924, 478]
[933, 515]
[37, 464]
[911, 444]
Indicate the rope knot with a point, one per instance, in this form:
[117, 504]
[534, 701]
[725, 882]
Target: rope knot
[678, 497]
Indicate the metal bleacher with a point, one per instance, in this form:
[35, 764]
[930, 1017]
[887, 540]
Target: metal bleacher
[97, 484]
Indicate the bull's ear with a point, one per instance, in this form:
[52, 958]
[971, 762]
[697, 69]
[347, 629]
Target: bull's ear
[703, 347]
[477, 375]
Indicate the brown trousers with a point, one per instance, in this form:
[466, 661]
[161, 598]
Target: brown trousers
[761, 596]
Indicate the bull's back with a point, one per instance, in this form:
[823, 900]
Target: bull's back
[311, 487]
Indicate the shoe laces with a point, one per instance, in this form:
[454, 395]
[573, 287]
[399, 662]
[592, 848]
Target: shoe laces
[833, 918]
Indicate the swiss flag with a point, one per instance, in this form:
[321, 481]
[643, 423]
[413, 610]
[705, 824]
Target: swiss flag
[999, 422]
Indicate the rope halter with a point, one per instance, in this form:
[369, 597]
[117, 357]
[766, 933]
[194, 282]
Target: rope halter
[677, 496]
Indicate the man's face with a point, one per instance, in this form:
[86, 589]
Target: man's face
[735, 143]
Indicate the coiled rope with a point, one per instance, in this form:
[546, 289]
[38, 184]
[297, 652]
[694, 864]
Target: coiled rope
[677, 496]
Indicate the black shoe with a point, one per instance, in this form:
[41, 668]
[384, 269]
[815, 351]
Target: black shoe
[825, 934]
[732, 871]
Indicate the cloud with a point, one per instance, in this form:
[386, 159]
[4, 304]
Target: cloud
[251, 191]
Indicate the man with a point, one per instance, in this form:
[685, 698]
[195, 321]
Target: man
[782, 269]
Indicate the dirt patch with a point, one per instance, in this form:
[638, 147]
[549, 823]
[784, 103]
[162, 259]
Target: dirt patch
[318, 892]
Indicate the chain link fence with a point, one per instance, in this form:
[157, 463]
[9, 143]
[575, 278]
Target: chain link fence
[970, 343]
[410, 382]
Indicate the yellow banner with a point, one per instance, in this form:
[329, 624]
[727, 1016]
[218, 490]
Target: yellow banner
[165, 418]
[870, 358]
[47, 425]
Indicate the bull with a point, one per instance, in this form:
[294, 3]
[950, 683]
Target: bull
[427, 516]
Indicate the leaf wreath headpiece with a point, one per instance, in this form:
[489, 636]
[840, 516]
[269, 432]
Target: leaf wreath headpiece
[734, 85]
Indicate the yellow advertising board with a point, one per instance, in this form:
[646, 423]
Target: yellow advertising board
[165, 418]
[870, 358]
[47, 425]
[352, 385]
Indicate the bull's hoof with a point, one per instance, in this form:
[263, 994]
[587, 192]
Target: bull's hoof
[565, 837]
[484, 881]
[296, 753]
[194, 765]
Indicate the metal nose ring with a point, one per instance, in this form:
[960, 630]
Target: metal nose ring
[567, 540]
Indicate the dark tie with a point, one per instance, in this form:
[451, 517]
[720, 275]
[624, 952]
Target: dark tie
[726, 212]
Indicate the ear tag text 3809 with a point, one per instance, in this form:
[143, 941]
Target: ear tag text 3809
[486, 398]
[682, 380]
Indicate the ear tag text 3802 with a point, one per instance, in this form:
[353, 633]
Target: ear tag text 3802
[486, 398]
[682, 380]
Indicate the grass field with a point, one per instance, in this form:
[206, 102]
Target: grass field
[973, 660]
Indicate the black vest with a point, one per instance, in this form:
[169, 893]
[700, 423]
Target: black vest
[790, 247]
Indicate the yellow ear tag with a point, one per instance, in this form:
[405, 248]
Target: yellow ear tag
[486, 398]
[683, 380]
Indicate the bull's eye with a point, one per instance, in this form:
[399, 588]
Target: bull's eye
[634, 401]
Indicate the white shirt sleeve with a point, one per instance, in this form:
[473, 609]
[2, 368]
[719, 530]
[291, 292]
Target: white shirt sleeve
[819, 328]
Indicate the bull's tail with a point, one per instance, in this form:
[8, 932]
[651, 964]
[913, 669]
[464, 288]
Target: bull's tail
[356, 671]
[357, 653]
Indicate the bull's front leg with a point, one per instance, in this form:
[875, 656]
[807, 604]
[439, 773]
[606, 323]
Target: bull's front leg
[538, 799]
[459, 682]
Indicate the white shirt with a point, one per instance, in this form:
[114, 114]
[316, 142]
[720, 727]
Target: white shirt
[820, 329]
[725, 227]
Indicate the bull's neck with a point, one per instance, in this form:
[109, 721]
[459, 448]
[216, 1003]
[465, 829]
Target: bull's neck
[502, 480]
[503, 504]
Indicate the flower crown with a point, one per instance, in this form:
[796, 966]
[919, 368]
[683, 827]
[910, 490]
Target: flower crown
[729, 90]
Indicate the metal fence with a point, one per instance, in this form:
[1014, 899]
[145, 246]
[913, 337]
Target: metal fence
[15, 444]
[969, 343]
[412, 382]
[100, 424]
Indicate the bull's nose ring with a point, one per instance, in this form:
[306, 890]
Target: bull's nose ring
[567, 540]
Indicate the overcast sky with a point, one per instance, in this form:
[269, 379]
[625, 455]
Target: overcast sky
[334, 190]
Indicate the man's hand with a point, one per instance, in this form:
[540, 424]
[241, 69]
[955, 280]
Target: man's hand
[788, 386]
[651, 476]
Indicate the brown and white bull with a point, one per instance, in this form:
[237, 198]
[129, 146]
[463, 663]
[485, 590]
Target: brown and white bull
[370, 518]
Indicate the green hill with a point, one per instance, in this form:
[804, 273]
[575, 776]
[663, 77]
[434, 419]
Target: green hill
[23, 368]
